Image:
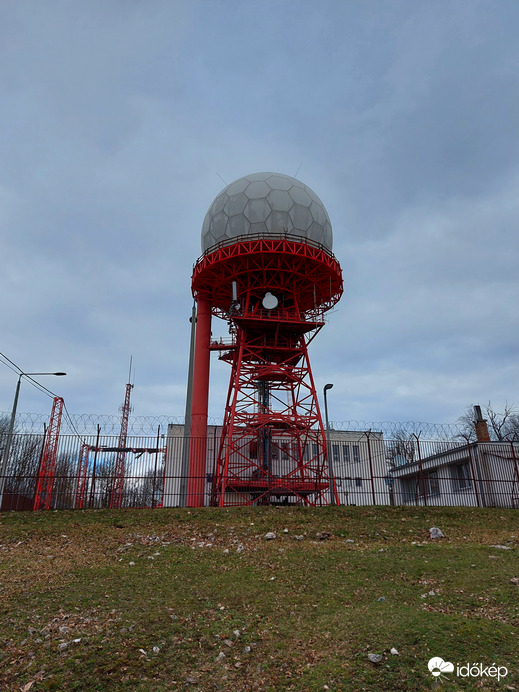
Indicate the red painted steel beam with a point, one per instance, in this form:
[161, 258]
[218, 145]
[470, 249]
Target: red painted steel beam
[314, 275]
[199, 407]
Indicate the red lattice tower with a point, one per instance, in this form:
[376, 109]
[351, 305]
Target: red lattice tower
[116, 497]
[45, 482]
[82, 476]
[273, 289]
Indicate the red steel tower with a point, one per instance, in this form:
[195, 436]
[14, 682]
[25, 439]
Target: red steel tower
[269, 271]
[45, 481]
[116, 497]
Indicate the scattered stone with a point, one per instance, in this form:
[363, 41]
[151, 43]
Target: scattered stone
[240, 548]
[191, 680]
[132, 564]
[228, 642]
[501, 547]
[226, 551]
[220, 656]
[435, 532]
[247, 649]
[31, 630]
[381, 599]
[269, 536]
[299, 538]
[156, 649]
[143, 652]
[237, 633]
[394, 652]
[62, 646]
[375, 658]
[514, 580]
[432, 592]
[285, 530]
[350, 540]
[322, 535]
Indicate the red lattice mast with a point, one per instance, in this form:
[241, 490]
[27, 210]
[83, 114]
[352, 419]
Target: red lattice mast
[120, 460]
[45, 482]
[273, 444]
[82, 476]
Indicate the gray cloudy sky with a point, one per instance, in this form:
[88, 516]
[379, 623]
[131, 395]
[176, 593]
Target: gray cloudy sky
[117, 117]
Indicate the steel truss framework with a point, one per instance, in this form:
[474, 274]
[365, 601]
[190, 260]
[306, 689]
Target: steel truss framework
[273, 444]
[83, 468]
[45, 482]
[120, 461]
[82, 476]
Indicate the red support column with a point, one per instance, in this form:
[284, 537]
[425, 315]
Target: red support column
[198, 446]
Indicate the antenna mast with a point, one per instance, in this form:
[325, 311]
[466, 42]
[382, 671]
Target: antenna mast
[120, 462]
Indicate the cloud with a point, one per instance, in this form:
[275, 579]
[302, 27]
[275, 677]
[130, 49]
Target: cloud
[119, 117]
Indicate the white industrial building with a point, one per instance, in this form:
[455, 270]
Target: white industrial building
[480, 474]
[358, 462]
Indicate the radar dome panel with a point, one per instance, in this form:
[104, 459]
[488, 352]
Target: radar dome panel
[268, 204]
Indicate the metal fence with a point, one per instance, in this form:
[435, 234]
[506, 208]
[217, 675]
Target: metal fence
[93, 472]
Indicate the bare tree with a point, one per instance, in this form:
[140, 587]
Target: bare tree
[401, 449]
[502, 425]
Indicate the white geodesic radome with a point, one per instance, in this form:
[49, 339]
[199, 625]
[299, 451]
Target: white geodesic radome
[266, 204]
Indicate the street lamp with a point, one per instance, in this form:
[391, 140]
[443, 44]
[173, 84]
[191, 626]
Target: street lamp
[330, 467]
[5, 458]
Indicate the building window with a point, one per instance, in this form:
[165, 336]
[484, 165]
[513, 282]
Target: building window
[314, 450]
[335, 454]
[346, 453]
[462, 476]
[358, 482]
[356, 453]
[415, 486]
[430, 484]
[284, 451]
[348, 482]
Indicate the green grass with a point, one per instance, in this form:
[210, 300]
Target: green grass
[309, 610]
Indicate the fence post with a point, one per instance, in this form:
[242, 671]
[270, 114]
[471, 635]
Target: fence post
[93, 485]
[516, 469]
[368, 433]
[472, 471]
[153, 503]
[420, 469]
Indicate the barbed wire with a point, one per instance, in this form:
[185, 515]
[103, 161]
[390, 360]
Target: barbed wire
[87, 424]
[390, 429]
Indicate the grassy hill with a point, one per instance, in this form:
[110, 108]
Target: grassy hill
[199, 600]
